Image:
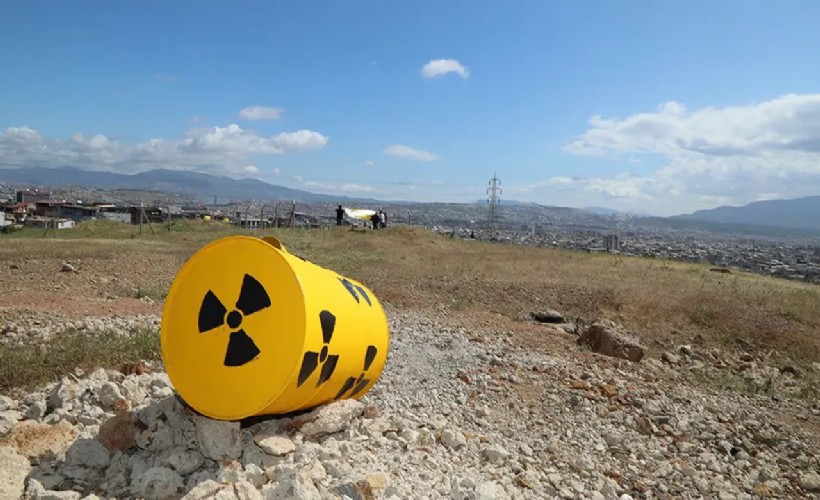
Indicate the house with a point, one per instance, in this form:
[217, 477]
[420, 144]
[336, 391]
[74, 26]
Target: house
[42, 222]
[47, 208]
[78, 213]
[29, 196]
[112, 212]
[152, 214]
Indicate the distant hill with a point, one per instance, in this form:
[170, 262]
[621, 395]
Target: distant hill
[800, 213]
[612, 211]
[197, 185]
[509, 203]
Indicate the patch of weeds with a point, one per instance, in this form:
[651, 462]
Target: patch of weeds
[703, 315]
[607, 297]
[32, 365]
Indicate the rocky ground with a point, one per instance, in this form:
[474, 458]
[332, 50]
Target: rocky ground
[479, 414]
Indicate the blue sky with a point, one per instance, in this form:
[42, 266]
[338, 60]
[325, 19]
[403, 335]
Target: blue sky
[698, 103]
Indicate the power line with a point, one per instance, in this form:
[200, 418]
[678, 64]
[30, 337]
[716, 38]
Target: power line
[494, 192]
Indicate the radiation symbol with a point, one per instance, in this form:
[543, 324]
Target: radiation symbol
[353, 288]
[213, 314]
[357, 384]
[313, 359]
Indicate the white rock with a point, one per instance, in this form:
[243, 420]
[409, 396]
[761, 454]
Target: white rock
[255, 475]
[184, 461]
[88, 453]
[36, 410]
[810, 481]
[495, 453]
[331, 418]
[109, 393]
[231, 472]
[293, 485]
[275, 445]
[8, 419]
[6, 403]
[453, 439]
[210, 490]
[246, 491]
[156, 483]
[58, 495]
[133, 390]
[13, 471]
[490, 490]
[218, 439]
[62, 394]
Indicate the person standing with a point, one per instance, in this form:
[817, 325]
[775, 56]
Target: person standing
[382, 218]
[375, 219]
[340, 213]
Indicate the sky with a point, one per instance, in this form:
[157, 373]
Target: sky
[650, 106]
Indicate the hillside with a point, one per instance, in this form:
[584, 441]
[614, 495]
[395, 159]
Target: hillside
[199, 185]
[798, 213]
[477, 399]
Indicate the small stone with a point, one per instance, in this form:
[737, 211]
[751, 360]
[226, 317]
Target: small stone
[548, 316]
[453, 439]
[6, 403]
[608, 390]
[8, 419]
[218, 439]
[67, 268]
[118, 433]
[292, 485]
[36, 410]
[371, 412]
[495, 453]
[277, 446]
[210, 490]
[810, 481]
[672, 359]
[330, 418]
[108, 394]
[88, 453]
[156, 483]
[246, 491]
[490, 490]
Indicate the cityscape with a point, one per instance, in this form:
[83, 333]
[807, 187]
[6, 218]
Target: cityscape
[793, 258]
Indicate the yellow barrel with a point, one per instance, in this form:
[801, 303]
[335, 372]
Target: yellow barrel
[250, 329]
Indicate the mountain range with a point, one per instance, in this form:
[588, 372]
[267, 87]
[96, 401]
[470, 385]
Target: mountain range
[761, 217]
[197, 185]
[800, 213]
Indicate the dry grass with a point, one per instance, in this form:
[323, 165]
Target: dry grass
[28, 366]
[666, 303]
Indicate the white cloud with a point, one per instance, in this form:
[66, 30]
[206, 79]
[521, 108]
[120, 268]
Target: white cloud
[212, 149]
[302, 139]
[729, 155]
[369, 163]
[408, 152]
[260, 113]
[251, 169]
[439, 67]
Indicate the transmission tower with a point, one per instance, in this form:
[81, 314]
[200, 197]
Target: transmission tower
[494, 192]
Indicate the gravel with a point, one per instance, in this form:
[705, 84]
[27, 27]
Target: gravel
[456, 414]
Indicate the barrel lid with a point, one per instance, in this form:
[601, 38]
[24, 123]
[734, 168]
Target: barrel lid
[233, 328]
